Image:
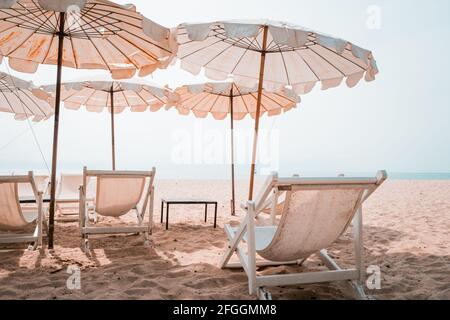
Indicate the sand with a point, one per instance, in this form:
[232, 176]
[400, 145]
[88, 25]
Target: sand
[406, 234]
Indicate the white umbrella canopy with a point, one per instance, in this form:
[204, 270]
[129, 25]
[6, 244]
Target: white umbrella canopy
[214, 98]
[82, 34]
[271, 55]
[23, 99]
[114, 96]
[100, 34]
[295, 56]
[97, 96]
[227, 98]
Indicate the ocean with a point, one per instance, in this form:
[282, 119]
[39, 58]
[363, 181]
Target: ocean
[223, 172]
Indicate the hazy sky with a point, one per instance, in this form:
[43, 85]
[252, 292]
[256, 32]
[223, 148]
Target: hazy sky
[400, 122]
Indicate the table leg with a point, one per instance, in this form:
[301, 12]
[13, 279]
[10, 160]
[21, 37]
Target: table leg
[162, 210]
[167, 216]
[206, 212]
[215, 215]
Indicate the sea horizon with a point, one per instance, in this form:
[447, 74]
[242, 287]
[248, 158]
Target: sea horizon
[223, 172]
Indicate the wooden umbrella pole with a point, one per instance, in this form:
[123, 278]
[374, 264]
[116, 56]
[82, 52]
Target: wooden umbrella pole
[51, 222]
[258, 109]
[233, 200]
[113, 141]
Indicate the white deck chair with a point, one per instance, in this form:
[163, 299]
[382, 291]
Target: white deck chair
[26, 192]
[275, 203]
[67, 196]
[315, 214]
[118, 193]
[13, 218]
[42, 185]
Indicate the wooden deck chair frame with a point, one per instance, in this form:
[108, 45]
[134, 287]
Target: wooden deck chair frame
[62, 203]
[45, 179]
[273, 206]
[42, 183]
[148, 194]
[35, 238]
[44, 186]
[248, 259]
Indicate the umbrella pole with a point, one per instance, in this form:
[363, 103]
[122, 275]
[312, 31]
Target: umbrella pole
[258, 109]
[233, 201]
[51, 223]
[113, 141]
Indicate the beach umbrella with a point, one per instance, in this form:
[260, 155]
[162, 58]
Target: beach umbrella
[81, 34]
[115, 96]
[23, 99]
[271, 55]
[226, 98]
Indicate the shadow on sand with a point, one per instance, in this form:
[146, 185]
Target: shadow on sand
[120, 267]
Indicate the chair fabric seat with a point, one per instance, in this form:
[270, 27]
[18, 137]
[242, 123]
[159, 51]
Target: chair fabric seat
[21, 216]
[263, 236]
[30, 216]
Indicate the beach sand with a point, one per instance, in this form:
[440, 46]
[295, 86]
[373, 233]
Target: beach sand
[406, 234]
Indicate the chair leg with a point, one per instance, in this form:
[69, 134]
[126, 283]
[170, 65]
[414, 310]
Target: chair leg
[40, 219]
[273, 209]
[150, 210]
[44, 224]
[33, 246]
[138, 216]
[215, 215]
[263, 294]
[234, 241]
[359, 254]
[167, 216]
[84, 221]
[81, 208]
[85, 245]
[146, 239]
[95, 217]
[359, 290]
[251, 249]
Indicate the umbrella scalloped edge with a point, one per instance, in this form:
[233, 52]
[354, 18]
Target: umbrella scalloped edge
[283, 34]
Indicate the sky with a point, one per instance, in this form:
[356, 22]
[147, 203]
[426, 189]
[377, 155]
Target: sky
[400, 122]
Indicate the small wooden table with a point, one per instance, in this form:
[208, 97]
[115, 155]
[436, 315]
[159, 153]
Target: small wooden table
[168, 202]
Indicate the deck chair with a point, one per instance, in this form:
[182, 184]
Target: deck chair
[42, 185]
[275, 203]
[316, 213]
[13, 218]
[67, 197]
[26, 191]
[118, 193]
